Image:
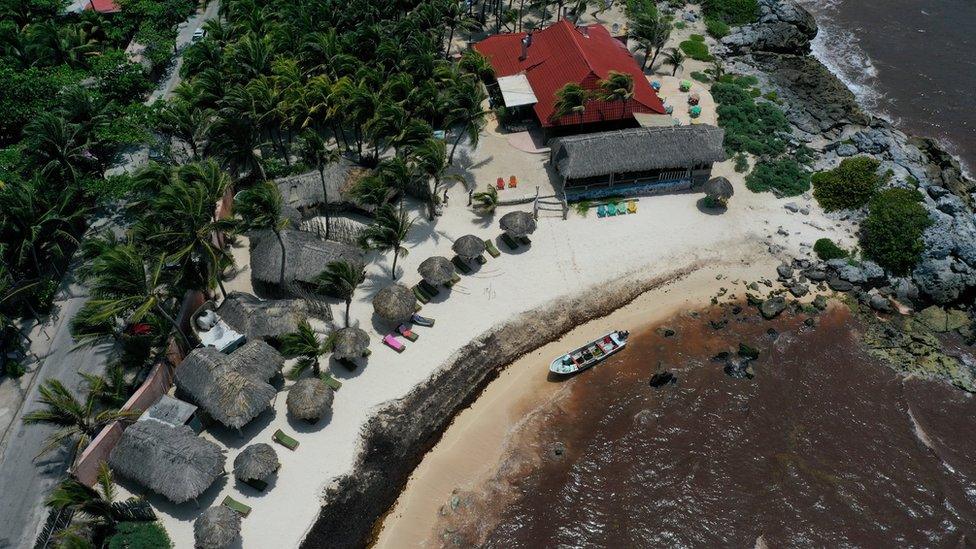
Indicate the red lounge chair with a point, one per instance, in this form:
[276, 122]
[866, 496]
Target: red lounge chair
[500, 183]
[406, 332]
[512, 182]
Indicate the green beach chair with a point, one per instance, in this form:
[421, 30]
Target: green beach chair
[332, 382]
[461, 265]
[611, 209]
[481, 259]
[524, 240]
[420, 294]
[492, 250]
[235, 505]
[429, 289]
[509, 241]
[281, 438]
[258, 485]
[621, 208]
[454, 280]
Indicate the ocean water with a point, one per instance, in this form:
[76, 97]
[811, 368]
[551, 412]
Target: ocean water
[819, 446]
[911, 61]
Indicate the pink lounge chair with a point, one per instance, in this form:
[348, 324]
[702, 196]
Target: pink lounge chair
[392, 342]
[406, 332]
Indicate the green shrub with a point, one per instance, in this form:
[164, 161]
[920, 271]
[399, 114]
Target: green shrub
[701, 77]
[848, 186]
[733, 12]
[140, 535]
[771, 96]
[753, 128]
[726, 93]
[741, 163]
[755, 92]
[716, 28]
[14, 368]
[892, 233]
[695, 50]
[827, 250]
[696, 38]
[783, 177]
[746, 81]
[680, 25]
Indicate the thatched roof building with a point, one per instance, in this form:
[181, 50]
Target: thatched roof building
[636, 160]
[259, 318]
[171, 461]
[233, 388]
[306, 256]
[350, 343]
[436, 270]
[216, 528]
[305, 190]
[309, 399]
[469, 246]
[256, 462]
[395, 303]
[518, 223]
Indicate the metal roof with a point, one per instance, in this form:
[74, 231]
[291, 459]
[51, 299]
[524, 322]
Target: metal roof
[516, 90]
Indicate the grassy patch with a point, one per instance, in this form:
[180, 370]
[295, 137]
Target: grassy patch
[783, 177]
[826, 249]
[717, 28]
[695, 50]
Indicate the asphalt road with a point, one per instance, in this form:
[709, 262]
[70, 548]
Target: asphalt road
[184, 35]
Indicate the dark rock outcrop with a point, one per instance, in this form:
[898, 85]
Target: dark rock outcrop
[783, 27]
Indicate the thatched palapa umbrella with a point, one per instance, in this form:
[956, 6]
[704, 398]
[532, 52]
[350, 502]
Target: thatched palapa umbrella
[517, 224]
[469, 246]
[216, 528]
[719, 189]
[309, 399]
[349, 343]
[436, 270]
[256, 462]
[395, 303]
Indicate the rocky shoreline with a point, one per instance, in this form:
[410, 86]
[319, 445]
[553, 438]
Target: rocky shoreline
[826, 118]
[397, 437]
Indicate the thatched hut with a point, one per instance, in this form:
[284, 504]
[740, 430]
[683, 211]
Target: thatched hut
[395, 303]
[517, 224]
[216, 528]
[310, 399]
[469, 246]
[349, 343]
[259, 318]
[233, 388]
[306, 256]
[256, 462]
[304, 191]
[719, 190]
[171, 461]
[436, 270]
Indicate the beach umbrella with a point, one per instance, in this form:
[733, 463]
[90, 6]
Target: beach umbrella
[517, 223]
[437, 270]
[309, 399]
[256, 462]
[395, 303]
[469, 246]
[216, 528]
[719, 189]
[349, 343]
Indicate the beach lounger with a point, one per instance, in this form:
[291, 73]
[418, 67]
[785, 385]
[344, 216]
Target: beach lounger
[235, 505]
[524, 240]
[281, 438]
[454, 280]
[632, 206]
[258, 485]
[512, 182]
[406, 332]
[601, 210]
[392, 342]
[621, 208]
[461, 265]
[332, 382]
[509, 241]
[422, 296]
[422, 321]
[481, 259]
[492, 250]
[500, 184]
[611, 209]
[429, 289]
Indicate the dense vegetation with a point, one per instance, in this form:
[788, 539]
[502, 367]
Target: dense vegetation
[848, 186]
[731, 12]
[140, 535]
[892, 233]
[695, 48]
[826, 249]
[783, 176]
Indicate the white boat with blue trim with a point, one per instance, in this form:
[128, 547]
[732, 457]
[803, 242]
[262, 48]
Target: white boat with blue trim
[590, 354]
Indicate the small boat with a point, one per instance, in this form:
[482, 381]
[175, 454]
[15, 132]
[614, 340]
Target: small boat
[590, 354]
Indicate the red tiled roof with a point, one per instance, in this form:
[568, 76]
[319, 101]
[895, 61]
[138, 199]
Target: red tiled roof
[562, 53]
[103, 6]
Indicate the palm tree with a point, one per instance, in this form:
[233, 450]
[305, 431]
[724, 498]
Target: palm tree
[189, 124]
[675, 59]
[486, 201]
[387, 233]
[75, 419]
[260, 209]
[570, 99]
[465, 99]
[314, 152]
[431, 160]
[56, 147]
[341, 278]
[235, 140]
[307, 347]
[99, 505]
[126, 286]
[651, 30]
[617, 87]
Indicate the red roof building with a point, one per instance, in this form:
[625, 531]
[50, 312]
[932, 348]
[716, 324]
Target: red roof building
[103, 6]
[563, 53]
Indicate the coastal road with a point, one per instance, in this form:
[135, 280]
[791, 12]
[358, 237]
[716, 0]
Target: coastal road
[184, 36]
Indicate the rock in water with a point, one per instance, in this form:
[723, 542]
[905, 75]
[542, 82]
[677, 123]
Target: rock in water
[772, 307]
[746, 351]
[661, 379]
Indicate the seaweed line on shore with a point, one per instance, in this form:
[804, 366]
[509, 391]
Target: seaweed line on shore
[396, 439]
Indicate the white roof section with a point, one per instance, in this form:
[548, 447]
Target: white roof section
[516, 90]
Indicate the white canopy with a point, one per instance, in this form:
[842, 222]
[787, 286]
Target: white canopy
[516, 90]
